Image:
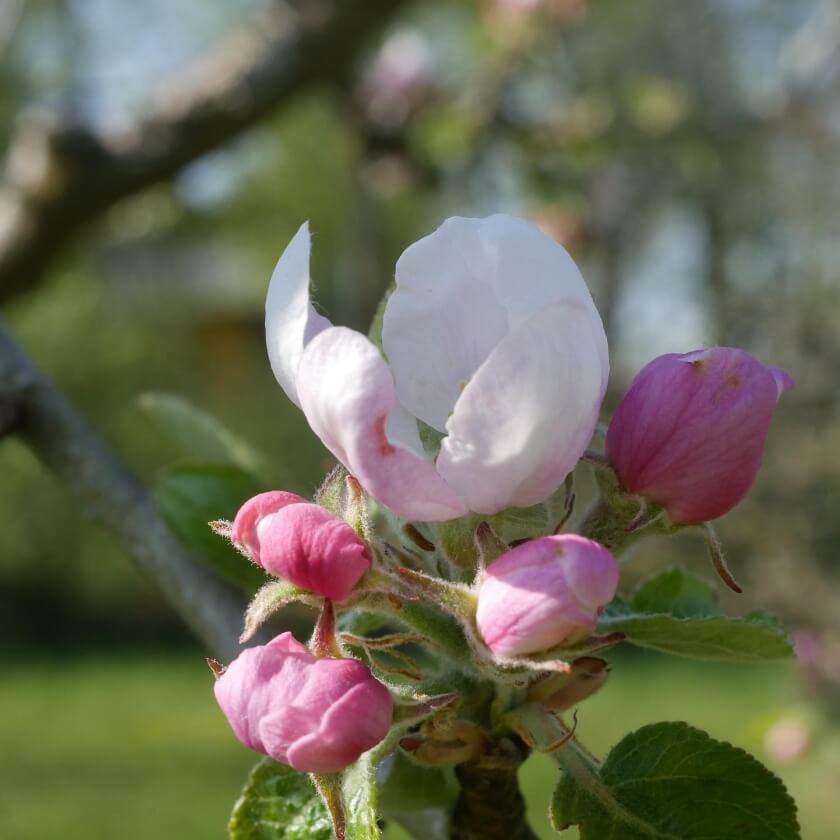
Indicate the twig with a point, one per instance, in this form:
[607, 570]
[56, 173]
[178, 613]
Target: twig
[58, 178]
[113, 496]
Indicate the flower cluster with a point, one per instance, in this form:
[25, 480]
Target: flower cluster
[482, 396]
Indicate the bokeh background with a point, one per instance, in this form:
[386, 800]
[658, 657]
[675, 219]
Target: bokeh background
[685, 153]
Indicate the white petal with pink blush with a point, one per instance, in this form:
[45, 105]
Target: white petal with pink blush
[492, 339]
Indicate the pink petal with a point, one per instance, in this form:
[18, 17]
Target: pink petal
[346, 392]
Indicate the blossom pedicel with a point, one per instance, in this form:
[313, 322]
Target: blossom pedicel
[492, 339]
[316, 715]
[302, 542]
[689, 433]
[546, 592]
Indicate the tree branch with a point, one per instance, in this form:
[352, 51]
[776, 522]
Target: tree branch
[58, 178]
[32, 409]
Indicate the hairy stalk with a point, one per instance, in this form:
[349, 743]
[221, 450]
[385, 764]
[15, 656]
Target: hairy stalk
[600, 523]
[490, 806]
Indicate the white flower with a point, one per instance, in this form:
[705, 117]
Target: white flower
[491, 337]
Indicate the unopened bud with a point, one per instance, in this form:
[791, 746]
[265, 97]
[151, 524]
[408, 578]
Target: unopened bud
[313, 549]
[302, 542]
[316, 715]
[689, 433]
[544, 593]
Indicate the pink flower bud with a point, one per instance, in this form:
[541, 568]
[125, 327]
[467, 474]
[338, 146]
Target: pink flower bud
[244, 529]
[312, 548]
[689, 433]
[316, 715]
[543, 593]
[300, 541]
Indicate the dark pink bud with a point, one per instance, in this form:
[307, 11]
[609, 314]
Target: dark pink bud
[312, 548]
[543, 593]
[244, 529]
[689, 433]
[316, 715]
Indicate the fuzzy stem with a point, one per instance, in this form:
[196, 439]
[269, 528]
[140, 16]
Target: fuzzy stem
[490, 806]
[602, 524]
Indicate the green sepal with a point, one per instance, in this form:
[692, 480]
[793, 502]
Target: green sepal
[270, 598]
[457, 537]
[375, 331]
[538, 727]
[332, 494]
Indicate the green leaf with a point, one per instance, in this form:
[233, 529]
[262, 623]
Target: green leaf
[359, 796]
[199, 436]
[189, 497]
[678, 614]
[677, 593]
[669, 781]
[278, 803]
[714, 638]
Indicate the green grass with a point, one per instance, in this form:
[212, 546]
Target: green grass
[134, 747]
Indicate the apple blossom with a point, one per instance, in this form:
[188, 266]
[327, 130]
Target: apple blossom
[543, 593]
[689, 433]
[316, 715]
[302, 542]
[491, 339]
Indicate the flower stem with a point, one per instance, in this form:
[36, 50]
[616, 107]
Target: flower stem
[490, 806]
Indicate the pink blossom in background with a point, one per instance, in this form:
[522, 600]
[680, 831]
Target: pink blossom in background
[689, 433]
[316, 715]
[787, 740]
[492, 340]
[398, 77]
[546, 592]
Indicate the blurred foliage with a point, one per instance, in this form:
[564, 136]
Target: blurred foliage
[684, 152]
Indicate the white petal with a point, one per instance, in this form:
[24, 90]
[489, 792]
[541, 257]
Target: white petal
[401, 429]
[521, 424]
[442, 320]
[347, 394]
[459, 292]
[290, 319]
